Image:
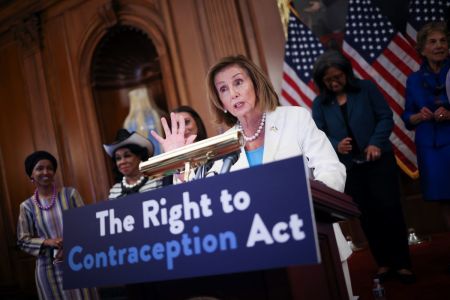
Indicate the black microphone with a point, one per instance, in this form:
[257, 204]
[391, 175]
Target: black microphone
[228, 161]
[203, 170]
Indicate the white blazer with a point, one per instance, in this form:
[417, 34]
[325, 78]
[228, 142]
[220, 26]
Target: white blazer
[290, 131]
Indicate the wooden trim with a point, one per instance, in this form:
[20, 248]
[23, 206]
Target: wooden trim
[338, 205]
[173, 60]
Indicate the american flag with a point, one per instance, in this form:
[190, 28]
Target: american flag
[301, 50]
[383, 55]
[422, 12]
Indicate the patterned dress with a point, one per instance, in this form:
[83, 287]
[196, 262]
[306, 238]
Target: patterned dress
[34, 226]
[118, 190]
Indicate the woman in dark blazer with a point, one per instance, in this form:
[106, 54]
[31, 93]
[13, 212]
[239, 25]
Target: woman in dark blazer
[357, 120]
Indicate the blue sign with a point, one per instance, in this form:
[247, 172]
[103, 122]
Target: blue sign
[253, 219]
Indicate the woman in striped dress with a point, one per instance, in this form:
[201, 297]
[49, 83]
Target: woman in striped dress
[127, 152]
[40, 227]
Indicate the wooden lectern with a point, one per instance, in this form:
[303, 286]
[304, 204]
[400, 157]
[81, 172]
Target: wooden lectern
[323, 281]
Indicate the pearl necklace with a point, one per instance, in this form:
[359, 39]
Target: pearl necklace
[256, 135]
[38, 203]
[130, 186]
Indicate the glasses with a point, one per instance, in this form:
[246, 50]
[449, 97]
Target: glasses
[337, 77]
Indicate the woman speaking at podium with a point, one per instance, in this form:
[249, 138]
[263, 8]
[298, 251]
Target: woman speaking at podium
[242, 97]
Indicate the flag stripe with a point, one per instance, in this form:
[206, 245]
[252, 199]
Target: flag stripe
[411, 33]
[395, 87]
[408, 163]
[411, 63]
[409, 51]
[391, 62]
[366, 71]
[294, 90]
[298, 89]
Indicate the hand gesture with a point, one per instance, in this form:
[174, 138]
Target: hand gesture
[441, 114]
[345, 146]
[175, 135]
[372, 153]
[426, 114]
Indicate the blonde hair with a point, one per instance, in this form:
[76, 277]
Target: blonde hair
[266, 97]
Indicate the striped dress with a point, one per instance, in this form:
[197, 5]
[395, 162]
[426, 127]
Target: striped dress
[34, 226]
[116, 190]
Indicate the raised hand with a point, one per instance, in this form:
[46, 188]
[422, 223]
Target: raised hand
[175, 135]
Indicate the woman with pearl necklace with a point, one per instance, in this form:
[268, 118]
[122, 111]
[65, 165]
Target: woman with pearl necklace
[127, 152]
[242, 97]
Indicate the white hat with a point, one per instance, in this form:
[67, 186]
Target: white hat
[123, 138]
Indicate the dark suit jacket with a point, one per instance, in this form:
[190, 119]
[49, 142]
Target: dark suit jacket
[370, 119]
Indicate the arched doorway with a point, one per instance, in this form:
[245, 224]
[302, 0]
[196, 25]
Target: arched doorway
[124, 59]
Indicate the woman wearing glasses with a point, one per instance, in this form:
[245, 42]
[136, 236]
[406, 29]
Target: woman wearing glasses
[358, 122]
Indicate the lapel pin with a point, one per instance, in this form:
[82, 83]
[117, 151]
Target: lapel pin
[274, 128]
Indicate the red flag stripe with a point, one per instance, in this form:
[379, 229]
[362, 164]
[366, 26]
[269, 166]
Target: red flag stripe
[297, 89]
[407, 159]
[411, 155]
[288, 98]
[411, 34]
[294, 86]
[406, 54]
[394, 105]
[294, 98]
[304, 88]
[396, 100]
[404, 138]
[408, 163]
[398, 64]
[403, 43]
[394, 84]
[370, 72]
[397, 109]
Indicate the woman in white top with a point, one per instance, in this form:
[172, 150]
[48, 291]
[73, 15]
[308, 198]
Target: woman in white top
[241, 96]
